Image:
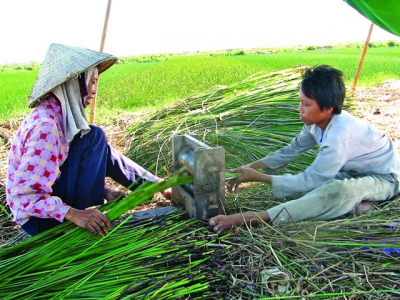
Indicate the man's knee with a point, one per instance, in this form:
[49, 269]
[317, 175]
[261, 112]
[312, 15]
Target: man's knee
[335, 187]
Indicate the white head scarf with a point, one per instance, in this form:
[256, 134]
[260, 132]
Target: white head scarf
[74, 115]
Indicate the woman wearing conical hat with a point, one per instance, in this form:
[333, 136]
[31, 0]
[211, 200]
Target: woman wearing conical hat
[57, 162]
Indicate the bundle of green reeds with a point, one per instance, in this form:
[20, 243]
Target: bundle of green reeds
[155, 259]
[248, 119]
[167, 258]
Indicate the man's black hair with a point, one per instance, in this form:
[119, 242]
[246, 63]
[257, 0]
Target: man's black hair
[324, 84]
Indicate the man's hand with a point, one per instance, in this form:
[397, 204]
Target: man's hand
[245, 174]
[91, 219]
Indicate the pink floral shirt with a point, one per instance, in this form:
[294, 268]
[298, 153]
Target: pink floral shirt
[37, 152]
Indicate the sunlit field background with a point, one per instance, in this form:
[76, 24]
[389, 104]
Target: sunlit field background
[145, 82]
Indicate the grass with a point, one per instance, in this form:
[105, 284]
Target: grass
[138, 84]
[153, 259]
[15, 86]
[156, 84]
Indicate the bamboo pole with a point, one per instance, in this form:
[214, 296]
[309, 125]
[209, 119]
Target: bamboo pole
[361, 59]
[103, 39]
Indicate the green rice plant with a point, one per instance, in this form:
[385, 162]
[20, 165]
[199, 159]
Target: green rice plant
[164, 258]
[15, 87]
[376, 67]
[144, 85]
[53, 255]
[154, 84]
[136, 86]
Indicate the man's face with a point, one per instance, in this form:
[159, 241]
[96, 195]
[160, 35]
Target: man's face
[310, 112]
[91, 88]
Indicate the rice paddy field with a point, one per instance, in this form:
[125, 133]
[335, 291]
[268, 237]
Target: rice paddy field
[146, 82]
[246, 103]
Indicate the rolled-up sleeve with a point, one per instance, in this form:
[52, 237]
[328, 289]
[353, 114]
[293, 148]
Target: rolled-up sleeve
[279, 159]
[326, 165]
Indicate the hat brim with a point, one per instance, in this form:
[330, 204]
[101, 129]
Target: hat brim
[63, 63]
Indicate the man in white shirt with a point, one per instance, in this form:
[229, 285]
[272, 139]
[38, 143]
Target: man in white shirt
[355, 166]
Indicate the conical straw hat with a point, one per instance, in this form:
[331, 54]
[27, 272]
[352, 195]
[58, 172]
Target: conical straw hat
[61, 63]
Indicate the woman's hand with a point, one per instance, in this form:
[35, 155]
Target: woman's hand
[91, 219]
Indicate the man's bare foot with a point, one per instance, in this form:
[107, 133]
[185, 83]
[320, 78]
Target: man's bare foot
[110, 194]
[363, 207]
[222, 224]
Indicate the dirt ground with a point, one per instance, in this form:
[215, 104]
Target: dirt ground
[380, 105]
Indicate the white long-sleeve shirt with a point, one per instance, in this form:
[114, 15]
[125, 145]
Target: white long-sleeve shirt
[348, 144]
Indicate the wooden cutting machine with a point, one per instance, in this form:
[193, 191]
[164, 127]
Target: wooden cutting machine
[204, 198]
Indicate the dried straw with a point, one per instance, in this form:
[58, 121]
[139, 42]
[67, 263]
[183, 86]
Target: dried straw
[346, 258]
